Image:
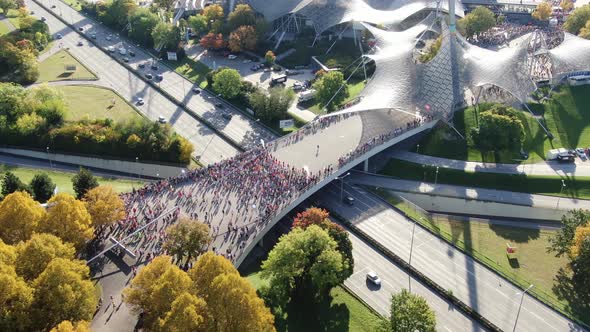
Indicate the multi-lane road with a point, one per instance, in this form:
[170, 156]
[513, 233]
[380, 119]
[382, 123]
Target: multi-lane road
[209, 147]
[483, 290]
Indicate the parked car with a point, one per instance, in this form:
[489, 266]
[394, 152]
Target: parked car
[290, 72]
[111, 49]
[255, 67]
[93, 36]
[125, 59]
[131, 53]
[154, 67]
[565, 157]
[81, 28]
[159, 77]
[581, 154]
[52, 6]
[297, 86]
[139, 101]
[43, 19]
[59, 36]
[196, 90]
[109, 37]
[218, 105]
[373, 278]
[232, 57]
[349, 200]
[162, 119]
[226, 116]
[149, 76]
[80, 43]
[247, 61]
[141, 65]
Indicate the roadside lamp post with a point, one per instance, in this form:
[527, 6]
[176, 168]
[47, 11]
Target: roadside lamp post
[520, 305]
[418, 148]
[411, 250]
[341, 178]
[49, 157]
[436, 176]
[137, 168]
[560, 192]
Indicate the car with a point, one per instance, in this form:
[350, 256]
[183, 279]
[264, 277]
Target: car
[139, 101]
[154, 67]
[373, 278]
[277, 68]
[226, 116]
[32, 13]
[125, 59]
[43, 19]
[59, 36]
[232, 57]
[290, 72]
[81, 29]
[159, 77]
[111, 49]
[131, 53]
[93, 36]
[348, 200]
[247, 61]
[80, 43]
[149, 76]
[218, 105]
[196, 90]
[53, 6]
[580, 153]
[162, 119]
[297, 86]
[109, 37]
[566, 157]
[254, 67]
[141, 65]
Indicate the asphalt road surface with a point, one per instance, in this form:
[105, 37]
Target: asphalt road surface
[483, 290]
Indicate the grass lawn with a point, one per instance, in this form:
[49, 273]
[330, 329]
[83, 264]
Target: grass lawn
[342, 54]
[90, 102]
[568, 116]
[63, 180]
[354, 89]
[3, 29]
[13, 17]
[577, 187]
[343, 312]
[54, 68]
[77, 5]
[487, 244]
[194, 71]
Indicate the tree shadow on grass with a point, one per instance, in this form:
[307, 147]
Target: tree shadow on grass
[514, 234]
[566, 289]
[305, 315]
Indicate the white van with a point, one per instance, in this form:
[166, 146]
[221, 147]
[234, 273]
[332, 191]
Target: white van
[307, 95]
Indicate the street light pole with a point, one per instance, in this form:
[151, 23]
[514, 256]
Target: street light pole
[341, 178]
[410, 259]
[520, 305]
[436, 176]
[560, 192]
[49, 157]
[137, 170]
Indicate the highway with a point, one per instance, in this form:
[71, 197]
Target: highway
[209, 147]
[475, 285]
[394, 279]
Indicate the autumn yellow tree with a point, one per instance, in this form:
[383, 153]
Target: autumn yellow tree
[187, 238]
[188, 313]
[19, 217]
[15, 301]
[34, 255]
[104, 205]
[154, 289]
[208, 266]
[63, 292]
[243, 38]
[566, 5]
[68, 219]
[543, 11]
[67, 326]
[582, 234]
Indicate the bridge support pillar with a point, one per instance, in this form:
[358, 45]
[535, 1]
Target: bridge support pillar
[366, 165]
[261, 242]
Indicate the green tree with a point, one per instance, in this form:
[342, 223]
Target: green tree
[198, 23]
[165, 4]
[20, 217]
[270, 57]
[244, 38]
[580, 267]
[35, 254]
[117, 12]
[63, 291]
[585, 31]
[331, 86]
[500, 128]
[410, 312]
[141, 25]
[543, 11]
[187, 238]
[213, 13]
[83, 181]
[242, 15]
[166, 36]
[561, 242]
[227, 82]
[479, 20]
[303, 264]
[272, 106]
[42, 187]
[577, 19]
[11, 183]
[6, 5]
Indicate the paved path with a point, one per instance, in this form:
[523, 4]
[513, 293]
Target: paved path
[554, 168]
[480, 288]
[490, 195]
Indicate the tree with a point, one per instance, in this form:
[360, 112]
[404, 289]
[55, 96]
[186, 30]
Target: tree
[104, 205]
[187, 313]
[212, 41]
[566, 5]
[242, 15]
[141, 25]
[83, 181]
[34, 255]
[15, 301]
[187, 238]
[577, 19]
[213, 13]
[117, 12]
[42, 187]
[11, 183]
[206, 269]
[585, 31]
[243, 38]
[272, 106]
[561, 242]
[6, 5]
[20, 216]
[479, 20]
[198, 23]
[165, 4]
[68, 219]
[303, 264]
[500, 128]
[543, 11]
[410, 312]
[581, 236]
[227, 82]
[331, 88]
[63, 291]
[166, 36]
[154, 289]
[580, 267]
[319, 217]
[270, 57]
[67, 326]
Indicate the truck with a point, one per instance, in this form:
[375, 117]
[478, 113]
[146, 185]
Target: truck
[307, 95]
[278, 80]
